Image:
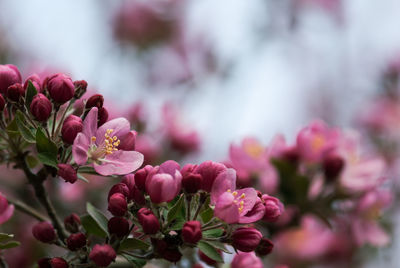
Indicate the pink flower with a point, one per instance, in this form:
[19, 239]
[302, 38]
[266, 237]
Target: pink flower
[244, 259]
[273, 208]
[315, 140]
[366, 229]
[6, 210]
[163, 183]
[107, 148]
[235, 206]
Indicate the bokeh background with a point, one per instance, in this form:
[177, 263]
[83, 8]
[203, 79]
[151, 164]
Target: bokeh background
[231, 68]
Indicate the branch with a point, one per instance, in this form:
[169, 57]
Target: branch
[27, 209]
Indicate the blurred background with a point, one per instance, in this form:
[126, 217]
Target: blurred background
[216, 70]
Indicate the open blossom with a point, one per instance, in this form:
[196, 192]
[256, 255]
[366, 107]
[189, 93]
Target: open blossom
[108, 148]
[6, 210]
[365, 227]
[235, 206]
[246, 259]
[163, 183]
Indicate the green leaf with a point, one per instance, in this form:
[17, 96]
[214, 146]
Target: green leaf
[136, 262]
[25, 131]
[213, 233]
[31, 161]
[44, 145]
[219, 245]
[174, 211]
[82, 178]
[12, 128]
[133, 243]
[98, 216]
[30, 93]
[207, 215]
[210, 251]
[87, 170]
[11, 244]
[177, 224]
[5, 237]
[47, 159]
[91, 226]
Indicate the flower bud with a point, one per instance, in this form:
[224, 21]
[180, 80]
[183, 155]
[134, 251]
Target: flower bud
[102, 255]
[61, 88]
[265, 247]
[117, 204]
[41, 107]
[76, 241]
[149, 221]
[35, 80]
[9, 75]
[70, 129]
[172, 255]
[246, 239]
[96, 100]
[207, 259]
[44, 263]
[2, 103]
[191, 182]
[244, 259]
[72, 223]
[44, 232]
[140, 177]
[134, 193]
[273, 208]
[121, 188]
[118, 226]
[191, 232]
[67, 172]
[15, 92]
[103, 116]
[58, 263]
[80, 88]
[332, 165]
[209, 171]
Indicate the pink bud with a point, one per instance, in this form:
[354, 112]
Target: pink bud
[246, 239]
[273, 208]
[2, 103]
[103, 116]
[149, 221]
[244, 259]
[118, 226]
[209, 171]
[70, 129]
[76, 241]
[67, 172]
[140, 177]
[72, 223]
[96, 100]
[102, 255]
[265, 247]
[61, 88]
[35, 80]
[191, 232]
[41, 107]
[44, 232]
[117, 204]
[9, 75]
[15, 92]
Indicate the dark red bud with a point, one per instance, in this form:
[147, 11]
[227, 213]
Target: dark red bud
[72, 223]
[172, 255]
[15, 92]
[148, 221]
[2, 103]
[102, 255]
[265, 247]
[333, 165]
[118, 226]
[67, 172]
[58, 263]
[9, 75]
[117, 204]
[246, 239]
[41, 107]
[61, 88]
[121, 188]
[76, 241]
[70, 129]
[140, 177]
[44, 263]
[96, 100]
[103, 116]
[192, 182]
[44, 232]
[191, 232]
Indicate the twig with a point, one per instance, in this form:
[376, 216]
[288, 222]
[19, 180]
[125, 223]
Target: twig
[27, 209]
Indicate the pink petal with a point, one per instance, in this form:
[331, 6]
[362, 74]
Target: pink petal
[6, 215]
[249, 199]
[120, 127]
[255, 214]
[226, 210]
[90, 123]
[128, 141]
[162, 188]
[225, 181]
[80, 148]
[119, 163]
[169, 167]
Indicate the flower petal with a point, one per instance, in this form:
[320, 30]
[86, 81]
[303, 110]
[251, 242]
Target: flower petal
[119, 163]
[6, 215]
[226, 209]
[169, 167]
[80, 148]
[90, 123]
[250, 198]
[120, 127]
[225, 181]
[255, 214]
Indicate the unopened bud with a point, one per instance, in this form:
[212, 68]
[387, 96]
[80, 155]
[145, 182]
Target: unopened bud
[61, 88]
[41, 107]
[44, 232]
[67, 172]
[15, 92]
[96, 100]
[70, 129]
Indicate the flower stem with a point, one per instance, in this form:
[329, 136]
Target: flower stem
[27, 209]
[213, 227]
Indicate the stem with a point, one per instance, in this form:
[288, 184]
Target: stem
[63, 117]
[213, 227]
[54, 120]
[27, 209]
[188, 199]
[201, 203]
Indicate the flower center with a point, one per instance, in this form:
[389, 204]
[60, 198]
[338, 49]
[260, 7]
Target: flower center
[238, 200]
[317, 143]
[254, 150]
[109, 145]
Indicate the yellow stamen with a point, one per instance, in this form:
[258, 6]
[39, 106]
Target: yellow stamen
[242, 196]
[235, 193]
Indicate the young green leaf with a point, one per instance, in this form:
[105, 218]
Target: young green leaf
[210, 251]
[5, 237]
[207, 215]
[91, 226]
[133, 243]
[30, 93]
[174, 211]
[98, 216]
[136, 262]
[25, 131]
[10, 244]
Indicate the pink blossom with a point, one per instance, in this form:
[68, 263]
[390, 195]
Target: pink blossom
[246, 259]
[315, 140]
[235, 206]
[163, 183]
[6, 210]
[101, 147]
